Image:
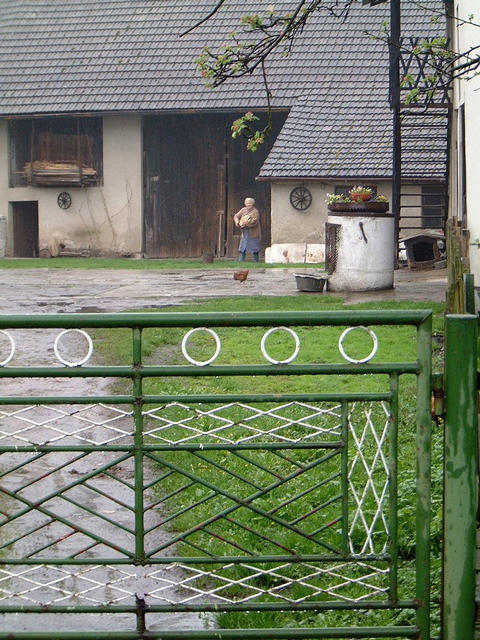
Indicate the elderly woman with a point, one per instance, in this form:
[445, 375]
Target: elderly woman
[248, 220]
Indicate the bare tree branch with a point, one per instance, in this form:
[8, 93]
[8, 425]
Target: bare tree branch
[243, 57]
[451, 16]
[429, 65]
[206, 18]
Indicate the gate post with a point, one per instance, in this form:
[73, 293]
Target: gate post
[460, 477]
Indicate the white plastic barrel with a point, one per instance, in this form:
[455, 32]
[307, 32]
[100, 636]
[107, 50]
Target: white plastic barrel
[364, 251]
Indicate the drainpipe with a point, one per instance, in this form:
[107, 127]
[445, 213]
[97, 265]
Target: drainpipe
[394, 99]
[394, 54]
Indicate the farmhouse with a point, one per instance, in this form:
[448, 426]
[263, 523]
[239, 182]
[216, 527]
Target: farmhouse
[111, 144]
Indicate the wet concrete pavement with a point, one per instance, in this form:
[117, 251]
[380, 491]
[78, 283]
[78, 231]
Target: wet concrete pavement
[79, 290]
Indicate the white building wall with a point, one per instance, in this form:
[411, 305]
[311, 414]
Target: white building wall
[467, 93]
[3, 168]
[104, 220]
[299, 236]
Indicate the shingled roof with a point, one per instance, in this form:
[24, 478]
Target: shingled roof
[104, 56]
[336, 133]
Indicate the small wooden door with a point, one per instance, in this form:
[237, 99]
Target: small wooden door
[25, 229]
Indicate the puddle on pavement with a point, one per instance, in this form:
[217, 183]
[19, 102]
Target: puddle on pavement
[90, 310]
[49, 304]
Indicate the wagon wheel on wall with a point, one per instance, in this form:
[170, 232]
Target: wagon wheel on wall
[300, 198]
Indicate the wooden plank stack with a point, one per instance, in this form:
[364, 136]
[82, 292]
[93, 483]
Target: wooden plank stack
[44, 174]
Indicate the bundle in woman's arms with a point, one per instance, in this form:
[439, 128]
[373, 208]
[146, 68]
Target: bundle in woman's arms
[248, 220]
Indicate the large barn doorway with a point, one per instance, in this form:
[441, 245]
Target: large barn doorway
[25, 229]
[195, 178]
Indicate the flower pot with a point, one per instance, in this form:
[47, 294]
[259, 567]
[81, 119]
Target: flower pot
[363, 208]
[360, 197]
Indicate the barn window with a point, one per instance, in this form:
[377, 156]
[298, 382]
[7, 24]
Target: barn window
[53, 152]
[433, 206]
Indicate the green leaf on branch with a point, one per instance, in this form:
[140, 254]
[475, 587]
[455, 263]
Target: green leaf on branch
[412, 96]
[253, 21]
[242, 126]
[255, 141]
[407, 80]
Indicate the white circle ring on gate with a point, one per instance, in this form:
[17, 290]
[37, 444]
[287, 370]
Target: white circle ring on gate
[287, 360]
[200, 363]
[78, 363]
[372, 352]
[12, 348]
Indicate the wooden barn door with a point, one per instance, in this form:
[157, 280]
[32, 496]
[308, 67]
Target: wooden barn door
[243, 167]
[195, 178]
[182, 158]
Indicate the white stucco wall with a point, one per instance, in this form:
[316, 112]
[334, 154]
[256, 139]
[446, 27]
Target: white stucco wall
[467, 92]
[104, 220]
[299, 236]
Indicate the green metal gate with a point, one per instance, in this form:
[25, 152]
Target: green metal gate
[124, 513]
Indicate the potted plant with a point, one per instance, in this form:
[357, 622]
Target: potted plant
[361, 194]
[367, 204]
[335, 198]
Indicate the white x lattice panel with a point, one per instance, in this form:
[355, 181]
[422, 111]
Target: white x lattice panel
[287, 582]
[181, 584]
[97, 424]
[368, 477]
[67, 584]
[178, 423]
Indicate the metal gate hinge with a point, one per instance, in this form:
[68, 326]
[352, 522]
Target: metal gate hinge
[437, 402]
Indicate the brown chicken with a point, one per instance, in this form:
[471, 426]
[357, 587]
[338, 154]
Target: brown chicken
[241, 275]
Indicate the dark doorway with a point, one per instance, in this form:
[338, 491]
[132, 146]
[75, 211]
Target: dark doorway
[195, 178]
[25, 229]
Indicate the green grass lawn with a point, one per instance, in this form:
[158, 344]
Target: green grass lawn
[130, 263]
[311, 501]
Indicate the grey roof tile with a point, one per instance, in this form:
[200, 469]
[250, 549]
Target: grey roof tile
[113, 55]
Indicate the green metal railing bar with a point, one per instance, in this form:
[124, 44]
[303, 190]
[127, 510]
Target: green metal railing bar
[291, 558]
[245, 446]
[196, 398]
[139, 454]
[211, 370]
[248, 634]
[393, 506]
[320, 605]
[423, 517]
[461, 477]
[214, 319]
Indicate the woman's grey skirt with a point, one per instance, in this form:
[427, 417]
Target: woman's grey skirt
[252, 245]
